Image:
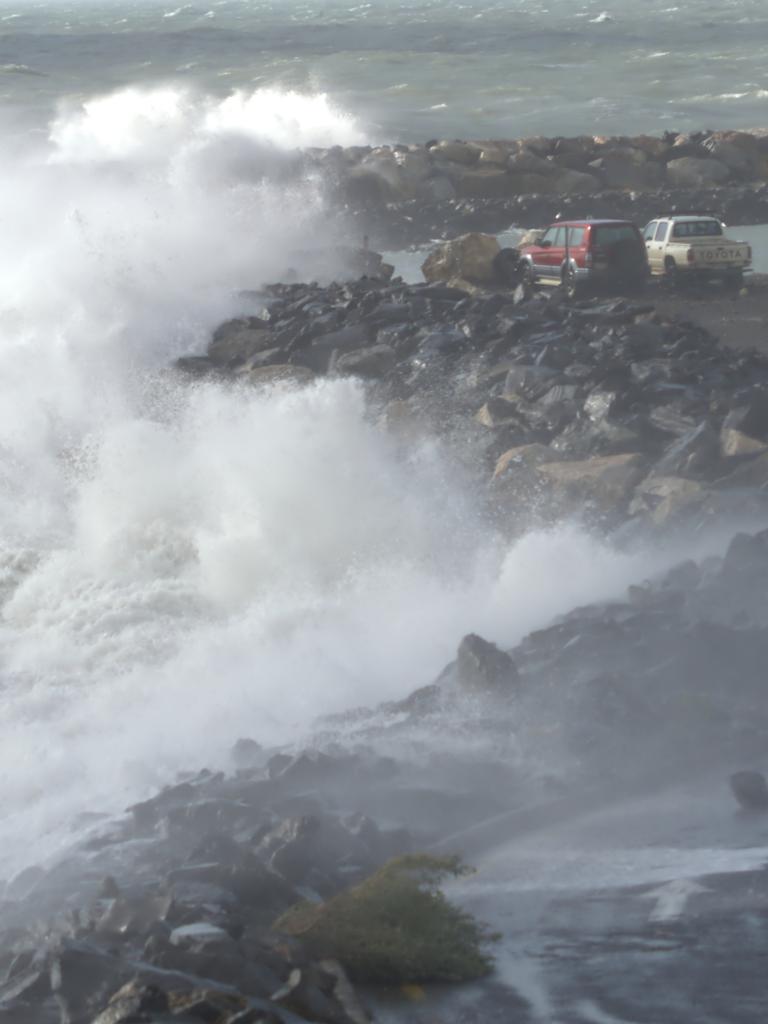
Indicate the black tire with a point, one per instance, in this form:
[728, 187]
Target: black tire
[570, 283]
[734, 280]
[671, 274]
[636, 287]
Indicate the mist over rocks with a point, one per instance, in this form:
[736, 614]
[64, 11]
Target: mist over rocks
[172, 913]
[603, 408]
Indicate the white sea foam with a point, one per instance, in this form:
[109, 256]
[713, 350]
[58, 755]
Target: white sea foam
[181, 565]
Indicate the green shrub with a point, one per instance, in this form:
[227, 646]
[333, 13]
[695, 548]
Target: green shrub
[396, 927]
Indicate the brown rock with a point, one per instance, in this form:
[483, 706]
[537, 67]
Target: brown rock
[469, 257]
[606, 481]
[497, 412]
[734, 443]
[283, 374]
[522, 457]
[663, 498]
[457, 152]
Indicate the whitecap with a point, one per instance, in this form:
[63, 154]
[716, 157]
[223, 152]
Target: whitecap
[603, 17]
[21, 69]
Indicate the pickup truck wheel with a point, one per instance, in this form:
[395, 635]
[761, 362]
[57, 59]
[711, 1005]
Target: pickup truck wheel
[671, 275]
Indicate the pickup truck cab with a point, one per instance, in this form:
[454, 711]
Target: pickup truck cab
[582, 254]
[694, 246]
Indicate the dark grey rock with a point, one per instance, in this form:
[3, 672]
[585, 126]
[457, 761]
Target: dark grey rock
[751, 790]
[481, 668]
[374, 361]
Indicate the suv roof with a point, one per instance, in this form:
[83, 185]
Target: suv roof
[585, 221]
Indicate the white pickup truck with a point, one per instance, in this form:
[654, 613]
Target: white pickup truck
[694, 246]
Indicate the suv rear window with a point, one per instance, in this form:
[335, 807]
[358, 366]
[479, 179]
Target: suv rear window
[697, 229]
[608, 234]
[575, 237]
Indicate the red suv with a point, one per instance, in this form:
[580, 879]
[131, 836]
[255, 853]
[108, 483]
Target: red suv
[583, 253]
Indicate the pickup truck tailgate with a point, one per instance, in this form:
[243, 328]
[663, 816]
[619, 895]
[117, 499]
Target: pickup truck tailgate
[728, 254]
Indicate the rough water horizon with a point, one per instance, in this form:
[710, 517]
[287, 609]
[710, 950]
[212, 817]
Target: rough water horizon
[413, 69]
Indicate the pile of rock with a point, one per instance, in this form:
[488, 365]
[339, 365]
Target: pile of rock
[602, 407]
[167, 915]
[173, 914]
[584, 165]
[415, 222]
[668, 680]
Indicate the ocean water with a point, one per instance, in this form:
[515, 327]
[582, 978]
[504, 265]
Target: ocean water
[413, 69]
[180, 566]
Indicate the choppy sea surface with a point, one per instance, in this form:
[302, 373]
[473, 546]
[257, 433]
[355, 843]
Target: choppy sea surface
[413, 69]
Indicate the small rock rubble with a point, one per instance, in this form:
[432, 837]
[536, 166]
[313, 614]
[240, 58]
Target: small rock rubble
[603, 407]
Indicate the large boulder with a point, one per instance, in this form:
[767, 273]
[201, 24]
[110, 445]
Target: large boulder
[485, 183]
[384, 175]
[520, 460]
[739, 151]
[734, 444]
[438, 188]
[604, 482]
[752, 473]
[527, 162]
[750, 790]
[692, 172]
[481, 667]
[627, 169]
[466, 153]
[664, 498]
[576, 152]
[236, 341]
[531, 184]
[468, 258]
[373, 361]
[494, 154]
[570, 182]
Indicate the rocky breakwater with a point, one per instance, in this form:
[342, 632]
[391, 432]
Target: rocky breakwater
[408, 194]
[268, 894]
[600, 408]
[229, 899]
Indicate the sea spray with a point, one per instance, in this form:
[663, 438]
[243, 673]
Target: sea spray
[183, 564]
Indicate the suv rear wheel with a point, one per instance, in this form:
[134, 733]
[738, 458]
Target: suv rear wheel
[570, 283]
